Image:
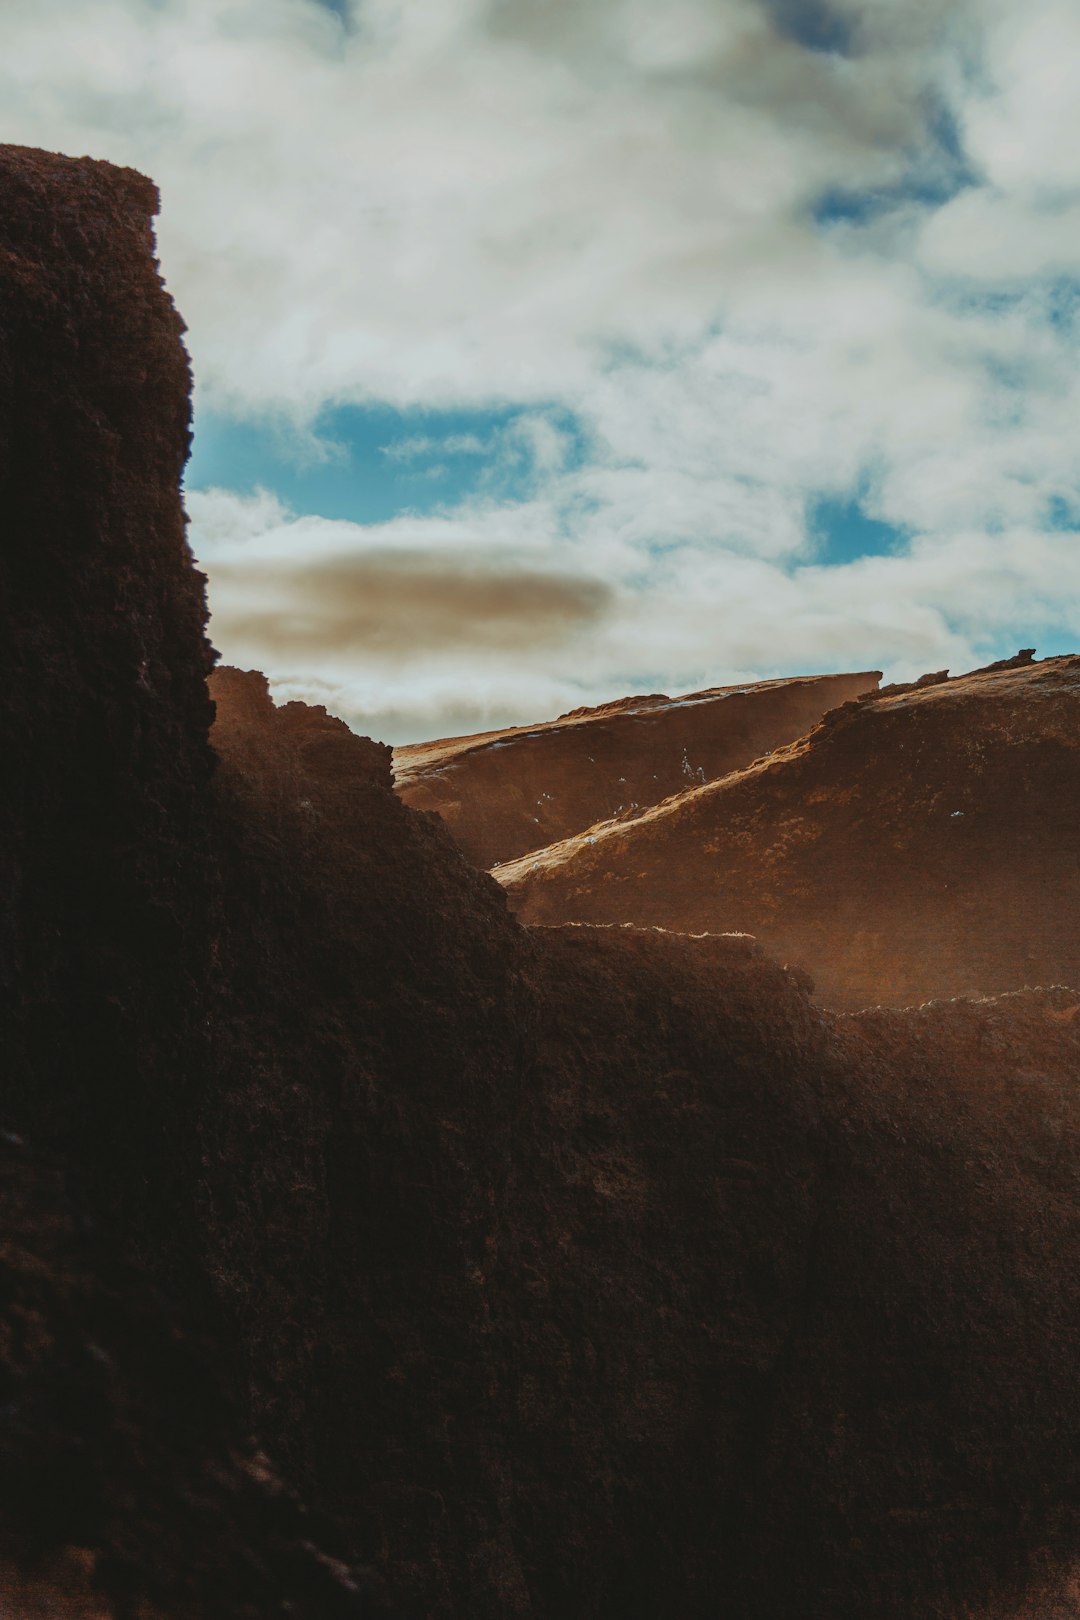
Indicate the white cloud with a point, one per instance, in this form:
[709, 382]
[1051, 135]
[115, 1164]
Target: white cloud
[603, 210]
[455, 199]
[428, 626]
[223, 518]
[421, 445]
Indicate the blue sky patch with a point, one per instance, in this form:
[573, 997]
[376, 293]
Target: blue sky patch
[1063, 302]
[1058, 644]
[844, 532]
[933, 179]
[813, 24]
[371, 463]
[1053, 300]
[839, 207]
[1062, 515]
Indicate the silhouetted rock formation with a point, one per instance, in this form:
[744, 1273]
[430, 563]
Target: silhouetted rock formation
[599, 1215]
[920, 842]
[588, 1272]
[506, 792]
[103, 838]
[126, 1478]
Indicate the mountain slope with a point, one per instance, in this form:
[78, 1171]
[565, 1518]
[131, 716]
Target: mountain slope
[575, 1271]
[598, 1268]
[506, 792]
[922, 842]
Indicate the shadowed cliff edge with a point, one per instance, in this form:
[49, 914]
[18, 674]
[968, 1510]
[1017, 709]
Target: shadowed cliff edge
[580, 1271]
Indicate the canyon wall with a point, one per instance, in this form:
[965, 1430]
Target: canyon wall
[571, 1271]
[103, 839]
[128, 1475]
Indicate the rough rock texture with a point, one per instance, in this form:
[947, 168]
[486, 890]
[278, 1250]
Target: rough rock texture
[126, 1477]
[636, 1285]
[113, 1438]
[578, 1272]
[374, 1040]
[506, 792]
[922, 842]
[103, 882]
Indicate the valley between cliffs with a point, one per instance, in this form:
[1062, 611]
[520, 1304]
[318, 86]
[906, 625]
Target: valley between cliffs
[366, 1252]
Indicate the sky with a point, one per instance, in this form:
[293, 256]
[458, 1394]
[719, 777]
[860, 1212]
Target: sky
[552, 350]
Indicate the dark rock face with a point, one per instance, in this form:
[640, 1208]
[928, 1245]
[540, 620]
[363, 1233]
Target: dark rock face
[705, 1302]
[374, 1039]
[582, 1271]
[480, 1364]
[918, 843]
[507, 792]
[115, 1437]
[102, 663]
[633, 1245]
[126, 1475]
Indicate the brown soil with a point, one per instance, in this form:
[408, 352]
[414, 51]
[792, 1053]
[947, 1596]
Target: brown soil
[506, 792]
[588, 1272]
[923, 842]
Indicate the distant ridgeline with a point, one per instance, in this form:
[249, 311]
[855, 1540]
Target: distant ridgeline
[920, 841]
[582, 1271]
[506, 793]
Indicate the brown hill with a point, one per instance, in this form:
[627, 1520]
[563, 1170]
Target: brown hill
[578, 1272]
[503, 793]
[601, 1211]
[918, 843]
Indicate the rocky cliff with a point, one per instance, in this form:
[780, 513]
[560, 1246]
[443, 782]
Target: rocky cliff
[599, 1214]
[506, 792]
[582, 1271]
[921, 842]
[129, 1483]
[103, 840]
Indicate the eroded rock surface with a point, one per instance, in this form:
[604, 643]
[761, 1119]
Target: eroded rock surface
[582, 1271]
[919, 843]
[679, 1295]
[128, 1482]
[506, 792]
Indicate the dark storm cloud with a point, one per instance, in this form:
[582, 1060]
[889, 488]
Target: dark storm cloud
[402, 604]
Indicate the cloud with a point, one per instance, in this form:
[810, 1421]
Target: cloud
[435, 626]
[228, 518]
[609, 224]
[392, 605]
[461, 200]
[412, 625]
[421, 445]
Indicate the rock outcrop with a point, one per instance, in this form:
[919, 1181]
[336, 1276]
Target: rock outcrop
[128, 1483]
[577, 1271]
[678, 1295]
[506, 792]
[103, 836]
[918, 843]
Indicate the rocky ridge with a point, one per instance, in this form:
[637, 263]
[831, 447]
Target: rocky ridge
[919, 842]
[573, 1271]
[503, 793]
